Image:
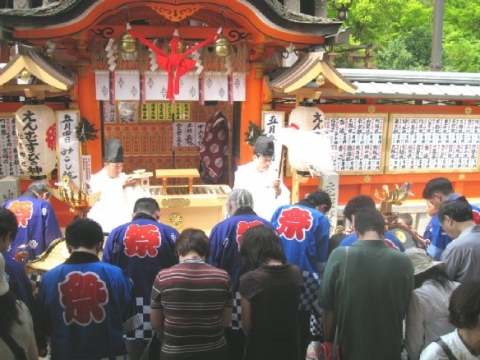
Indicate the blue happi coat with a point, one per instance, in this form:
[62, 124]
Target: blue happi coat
[225, 239]
[37, 224]
[87, 306]
[141, 248]
[304, 232]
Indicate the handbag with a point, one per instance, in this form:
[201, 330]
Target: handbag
[331, 351]
[153, 349]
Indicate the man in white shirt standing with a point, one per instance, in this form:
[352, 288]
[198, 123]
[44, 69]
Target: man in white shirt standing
[118, 190]
[262, 181]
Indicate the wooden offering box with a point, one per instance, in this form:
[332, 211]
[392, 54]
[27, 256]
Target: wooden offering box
[189, 206]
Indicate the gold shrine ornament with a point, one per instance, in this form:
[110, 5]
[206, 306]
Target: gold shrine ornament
[222, 46]
[175, 220]
[128, 44]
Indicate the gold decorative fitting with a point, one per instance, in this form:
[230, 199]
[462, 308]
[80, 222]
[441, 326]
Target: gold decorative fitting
[79, 200]
[128, 44]
[175, 202]
[461, 176]
[468, 110]
[24, 75]
[175, 13]
[367, 179]
[395, 197]
[222, 46]
[371, 109]
[175, 220]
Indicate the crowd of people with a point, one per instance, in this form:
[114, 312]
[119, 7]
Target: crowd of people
[257, 287]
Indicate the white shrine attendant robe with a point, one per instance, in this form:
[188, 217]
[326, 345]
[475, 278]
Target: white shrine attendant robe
[259, 184]
[115, 206]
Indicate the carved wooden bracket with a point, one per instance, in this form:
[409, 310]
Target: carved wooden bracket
[175, 13]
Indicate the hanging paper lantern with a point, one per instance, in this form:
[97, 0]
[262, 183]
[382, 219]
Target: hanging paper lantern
[36, 133]
[309, 148]
[307, 117]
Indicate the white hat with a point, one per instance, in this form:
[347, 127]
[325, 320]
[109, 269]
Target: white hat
[3, 278]
[420, 260]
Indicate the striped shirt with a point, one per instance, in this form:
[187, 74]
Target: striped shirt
[193, 296]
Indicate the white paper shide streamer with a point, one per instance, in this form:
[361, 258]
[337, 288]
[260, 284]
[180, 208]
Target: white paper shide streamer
[112, 59]
[308, 150]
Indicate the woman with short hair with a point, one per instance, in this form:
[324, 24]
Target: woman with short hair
[192, 303]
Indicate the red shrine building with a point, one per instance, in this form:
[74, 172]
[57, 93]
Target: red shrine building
[151, 74]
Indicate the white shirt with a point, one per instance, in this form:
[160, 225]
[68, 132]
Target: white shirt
[259, 184]
[115, 206]
[458, 348]
[427, 317]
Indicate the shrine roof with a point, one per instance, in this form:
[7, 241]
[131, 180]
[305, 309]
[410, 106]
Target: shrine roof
[68, 10]
[414, 84]
[314, 66]
[29, 58]
[398, 84]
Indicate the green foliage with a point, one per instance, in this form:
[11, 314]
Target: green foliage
[86, 131]
[394, 56]
[462, 55]
[253, 133]
[403, 31]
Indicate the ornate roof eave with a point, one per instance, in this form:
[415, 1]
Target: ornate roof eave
[28, 58]
[295, 21]
[45, 15]
[68, 10]
[309, 67]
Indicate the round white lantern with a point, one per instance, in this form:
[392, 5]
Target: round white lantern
[37, 139]
[306, 117]
[309, 149]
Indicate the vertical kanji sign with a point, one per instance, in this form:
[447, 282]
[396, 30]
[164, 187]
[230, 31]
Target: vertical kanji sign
[272, 121]
[69, 154]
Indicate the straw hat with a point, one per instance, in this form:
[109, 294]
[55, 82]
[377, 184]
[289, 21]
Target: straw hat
[3, 278]
[420, 260]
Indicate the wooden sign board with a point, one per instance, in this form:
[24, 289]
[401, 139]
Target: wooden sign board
[358, 142]
[9, 160]
[432, 143]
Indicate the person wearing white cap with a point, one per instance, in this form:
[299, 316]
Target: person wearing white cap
[16, 327]
[262, 181]
[118, 191]
[427, 316]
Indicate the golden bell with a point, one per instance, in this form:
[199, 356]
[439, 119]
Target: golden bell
[128, 44]
[222, 46]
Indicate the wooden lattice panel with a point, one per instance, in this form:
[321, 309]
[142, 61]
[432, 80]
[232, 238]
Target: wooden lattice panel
[142, 138]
